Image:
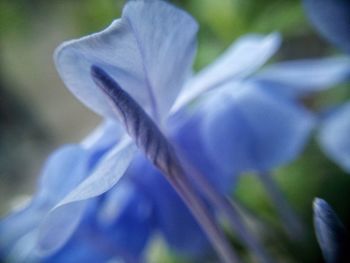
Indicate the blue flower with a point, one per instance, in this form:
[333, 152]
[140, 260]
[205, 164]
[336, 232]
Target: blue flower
[331, 18]
[149, 51]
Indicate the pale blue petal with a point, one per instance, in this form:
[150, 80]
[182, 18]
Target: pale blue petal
[68, 211]
[57, 227]
[334, 136]
[149, 52]
[63, 171]
[117, 224]
[332, 19]
[24, 249]
[80, 246]
[17, 225]
[106, 134]
[241, 59]
[300, 77]
[107, 173]
[247, 128]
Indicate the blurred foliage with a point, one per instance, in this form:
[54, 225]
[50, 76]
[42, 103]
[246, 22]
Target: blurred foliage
[221, 22]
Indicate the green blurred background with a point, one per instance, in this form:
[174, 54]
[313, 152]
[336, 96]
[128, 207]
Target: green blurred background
[37, 113]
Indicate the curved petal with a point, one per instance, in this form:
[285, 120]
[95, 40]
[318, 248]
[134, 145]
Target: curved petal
[24, 249]
[334, 136]
[149, 51]
[107, 173]
[299, 77]
[16, 226]
[57, 227]
[78, 247]
[249, 129]
[331, 18]
[117, 224]
[63, 171]
[240, 60]
[69, 210]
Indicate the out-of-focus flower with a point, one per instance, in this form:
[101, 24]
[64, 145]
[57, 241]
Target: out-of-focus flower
[266, 124]
[334, 136]
[332, 19]
[330, 232]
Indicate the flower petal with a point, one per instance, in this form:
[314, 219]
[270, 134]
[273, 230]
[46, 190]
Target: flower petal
[117, 224]
[245, 128]
[240, 60]
[68, 211]
[106, 134]
[107, 173]
[174, 220]
[58, 226]
[127, 219]
[334, 136]
[299, 77]
[149, 51]
[187, 135]
[64, 169]
[332, 19]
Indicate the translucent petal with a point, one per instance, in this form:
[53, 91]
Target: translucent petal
[247, 128]
[334, 136]
[68, 211]
[108, 172]
[149, 52]
[17, 225]
[63, 171]
[117, 224]
[240, 60]
[300, 77]
[57, 227]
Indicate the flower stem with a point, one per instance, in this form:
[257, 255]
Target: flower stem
[293, 225]
[204, 217]
[229, 211]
